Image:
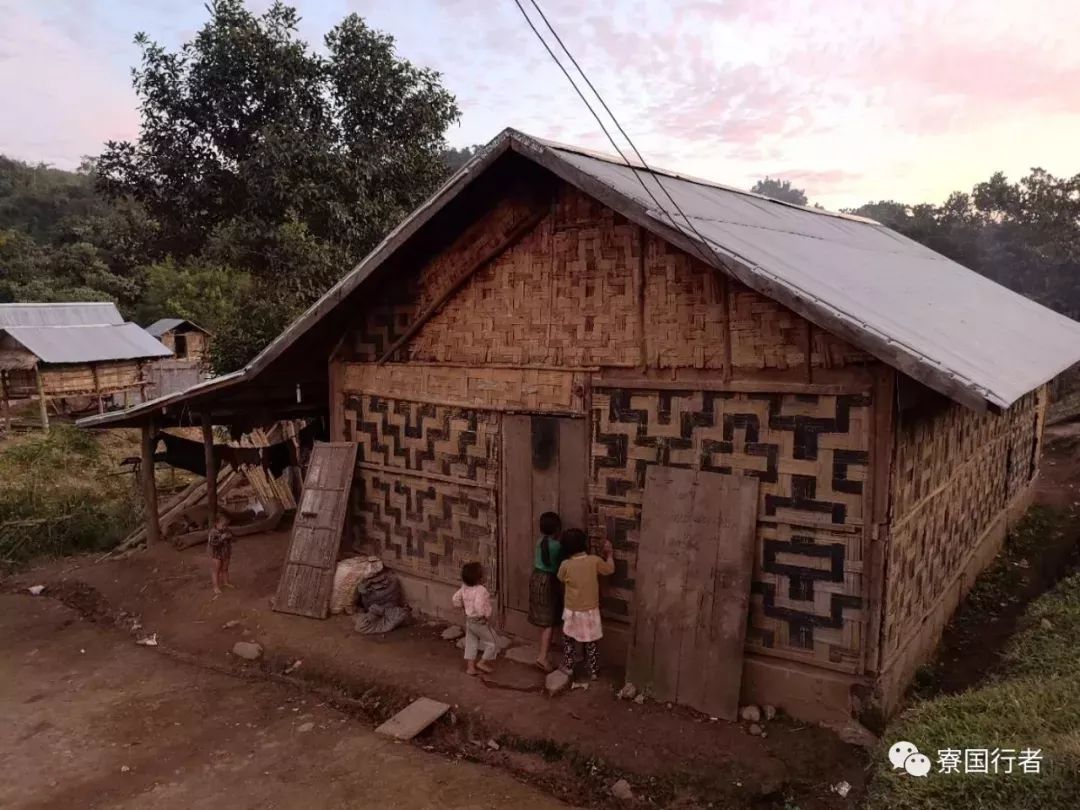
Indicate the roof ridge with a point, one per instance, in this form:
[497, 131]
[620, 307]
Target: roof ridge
[674, 175]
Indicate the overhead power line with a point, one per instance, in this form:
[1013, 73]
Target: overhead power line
[641, 159]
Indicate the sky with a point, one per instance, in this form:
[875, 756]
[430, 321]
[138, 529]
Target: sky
[852, 100]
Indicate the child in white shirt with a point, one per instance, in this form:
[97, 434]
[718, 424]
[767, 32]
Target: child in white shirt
[474, 599]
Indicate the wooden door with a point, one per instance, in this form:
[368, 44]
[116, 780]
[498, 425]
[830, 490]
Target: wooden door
[544, 462]
[692, 588]
[308, 575]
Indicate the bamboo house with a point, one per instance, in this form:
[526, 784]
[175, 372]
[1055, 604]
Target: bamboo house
[72, 355]
[557, 330]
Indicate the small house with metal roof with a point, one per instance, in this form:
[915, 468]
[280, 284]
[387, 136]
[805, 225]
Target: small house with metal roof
[190, 360]
[637, 350]
[73, 355]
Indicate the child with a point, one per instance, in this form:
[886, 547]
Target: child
[581, 614]
[475, 600]
[220, 543]
[545, 590]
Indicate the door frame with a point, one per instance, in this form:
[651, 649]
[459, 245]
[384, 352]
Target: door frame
[514, 621]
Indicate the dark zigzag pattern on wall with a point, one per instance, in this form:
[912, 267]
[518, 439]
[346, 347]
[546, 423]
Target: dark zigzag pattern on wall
[806, 432]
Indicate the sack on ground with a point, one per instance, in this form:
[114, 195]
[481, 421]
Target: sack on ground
[380, 619]
[383, 589]
[347, 576]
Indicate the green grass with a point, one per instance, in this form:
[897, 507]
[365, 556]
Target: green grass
[63, 492]
[1032, 702]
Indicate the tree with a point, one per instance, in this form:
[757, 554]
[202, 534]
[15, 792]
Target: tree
[454, 159]
[780, 190]
[258, 154]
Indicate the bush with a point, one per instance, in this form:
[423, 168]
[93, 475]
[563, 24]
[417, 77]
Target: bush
[61, 493]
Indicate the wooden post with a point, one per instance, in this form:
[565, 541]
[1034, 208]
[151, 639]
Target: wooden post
[211, 464]
[4, 401]
[97, 389]
[41, 400]
[153, 528]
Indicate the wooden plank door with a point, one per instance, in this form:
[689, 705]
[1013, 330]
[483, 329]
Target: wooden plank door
[544, 470]
[692, 591]
[308, 575]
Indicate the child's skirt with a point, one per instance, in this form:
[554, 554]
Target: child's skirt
[582, 625]
[545, 599]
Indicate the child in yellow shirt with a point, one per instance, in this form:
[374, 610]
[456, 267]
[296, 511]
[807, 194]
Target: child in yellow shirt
[580, 573]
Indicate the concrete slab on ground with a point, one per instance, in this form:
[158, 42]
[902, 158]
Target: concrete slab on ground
[413, 719]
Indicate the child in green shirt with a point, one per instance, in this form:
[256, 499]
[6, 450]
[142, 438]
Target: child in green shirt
[545, 590]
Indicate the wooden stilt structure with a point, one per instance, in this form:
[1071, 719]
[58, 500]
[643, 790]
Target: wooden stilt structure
[211, 464]
[153, 528]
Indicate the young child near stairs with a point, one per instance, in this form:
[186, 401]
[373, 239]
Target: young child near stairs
[475, 600]
[580, 573]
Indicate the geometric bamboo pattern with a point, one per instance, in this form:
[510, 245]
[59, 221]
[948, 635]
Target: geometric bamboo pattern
[806, 595]
[428, 528]
[955, 471]
[563, 295]
[809, 454]
[566, 294]
[454, 442]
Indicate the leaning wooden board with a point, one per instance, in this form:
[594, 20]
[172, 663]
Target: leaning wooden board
[308, 575]
[695, 561]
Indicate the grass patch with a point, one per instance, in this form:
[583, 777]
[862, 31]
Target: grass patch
[1032, 701]
[63, 492]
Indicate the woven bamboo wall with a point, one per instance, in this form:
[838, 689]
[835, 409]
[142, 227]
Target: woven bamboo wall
[586, 288]
[495, 389]
[562, 296]
[76, 380]
[810, 454]
[955, 472]
[425, 498]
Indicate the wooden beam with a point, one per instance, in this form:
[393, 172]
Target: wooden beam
[41, 400]
[508, 241]
[149, 484]
[4, 401]
[211, 464]
[97, 388]
[639, 284]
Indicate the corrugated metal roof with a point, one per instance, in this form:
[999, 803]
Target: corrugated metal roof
[160, 327]
[73, 314]
[88, 344]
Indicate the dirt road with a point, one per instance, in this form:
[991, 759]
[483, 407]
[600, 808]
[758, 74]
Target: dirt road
[91, 720]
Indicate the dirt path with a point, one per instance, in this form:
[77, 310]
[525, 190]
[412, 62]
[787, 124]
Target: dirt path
[574, 747]
[91, 720]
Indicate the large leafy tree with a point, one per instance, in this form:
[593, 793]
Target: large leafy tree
[259, 154]
[780, 190]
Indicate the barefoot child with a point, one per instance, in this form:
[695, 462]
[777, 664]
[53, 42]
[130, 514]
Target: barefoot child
[580, 574]
[220, 543]
[545, 590]
[474, 599]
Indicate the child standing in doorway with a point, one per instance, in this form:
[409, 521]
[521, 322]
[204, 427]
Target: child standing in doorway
[475, 600]
[545, 590]
[580, 574]
[220, 543]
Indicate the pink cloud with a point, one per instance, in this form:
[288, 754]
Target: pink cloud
[47, 115]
